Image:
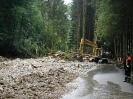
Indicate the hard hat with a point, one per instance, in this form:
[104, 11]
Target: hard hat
[128, 53]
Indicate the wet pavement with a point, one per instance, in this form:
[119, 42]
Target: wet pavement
[102, 82]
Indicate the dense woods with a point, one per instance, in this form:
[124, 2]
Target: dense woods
[31, 28]
[109, 23]
[52, 50]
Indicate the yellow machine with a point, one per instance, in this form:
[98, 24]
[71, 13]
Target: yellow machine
[96, 50]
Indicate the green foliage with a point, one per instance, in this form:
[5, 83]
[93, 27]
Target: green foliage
[106, 22]
[113, 24]
[31, 27]
[34, 27]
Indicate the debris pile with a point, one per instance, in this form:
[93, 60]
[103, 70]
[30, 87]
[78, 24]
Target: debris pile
[37, 85]
[42, 78]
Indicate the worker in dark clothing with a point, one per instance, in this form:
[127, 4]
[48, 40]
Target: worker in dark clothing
[127, 67]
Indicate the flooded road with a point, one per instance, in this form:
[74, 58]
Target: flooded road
[102, 82]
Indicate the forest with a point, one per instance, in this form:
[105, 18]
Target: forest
[33, 28]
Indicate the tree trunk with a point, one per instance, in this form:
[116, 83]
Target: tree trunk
[95, 18]
[84, 18]
[79, 22]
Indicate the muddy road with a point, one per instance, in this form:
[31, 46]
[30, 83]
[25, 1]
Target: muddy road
[102, 82]
[52, 78]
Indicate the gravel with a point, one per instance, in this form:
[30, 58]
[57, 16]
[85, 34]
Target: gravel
[42, 78]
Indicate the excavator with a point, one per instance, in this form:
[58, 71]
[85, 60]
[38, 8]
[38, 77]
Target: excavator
[96, 53]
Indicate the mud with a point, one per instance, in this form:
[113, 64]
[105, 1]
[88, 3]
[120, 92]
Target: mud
[42, 78]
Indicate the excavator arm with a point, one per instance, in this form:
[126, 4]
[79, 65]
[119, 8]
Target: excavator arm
[96, 50]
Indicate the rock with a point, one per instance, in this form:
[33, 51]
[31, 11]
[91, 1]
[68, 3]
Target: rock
[61, 70]
[33, 88]
[1, 89]
[40, 84]
[38, 78]
[17, 80]
[2, 82]
[5, 83]
[28, 85]
[2, 59]
[14, 86]
[61, 61]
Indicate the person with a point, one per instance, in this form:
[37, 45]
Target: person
[127, 67]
